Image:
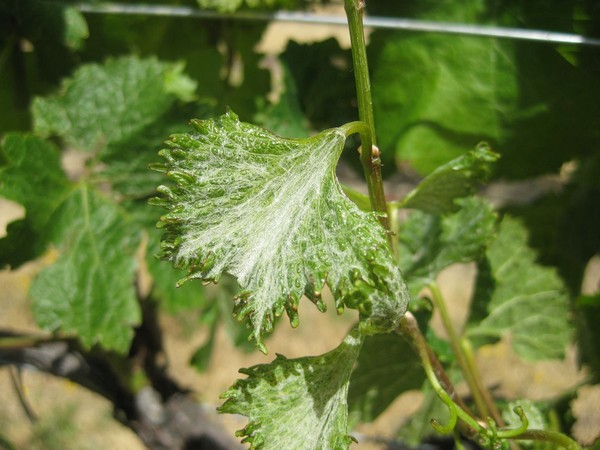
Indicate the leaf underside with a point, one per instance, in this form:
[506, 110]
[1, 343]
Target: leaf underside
[297, 403]
[270, 211]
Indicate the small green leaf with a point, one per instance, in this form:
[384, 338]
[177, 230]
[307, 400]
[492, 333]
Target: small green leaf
[164, 280]
[297, 403]
[201, 357]
[39, 194]
[528, 301]
[386, 367]
[76, 29]
[430, 243]
[270, 211]
[89, 290]
[437, 193]
[587, 314]
[128, 94]
[285, 117]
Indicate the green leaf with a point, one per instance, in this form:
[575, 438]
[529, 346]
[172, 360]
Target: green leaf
[164, 281]
[285, 117]
[587, 314]
[125, 164]
[270, 211]
[437, 193]
[76, 29]
[201, 357]
[297, 403]
[436, 94]
[89, 290]
[324, 81]
[430, 243]
[40, 194]
[386, 367]
[528, 301]
[106, 104]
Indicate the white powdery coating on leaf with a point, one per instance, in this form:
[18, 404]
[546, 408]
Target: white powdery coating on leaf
[298, 403]
[273, 215]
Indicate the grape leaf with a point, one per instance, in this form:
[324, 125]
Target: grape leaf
[456, 179]
[429, 243]
[270, 211]
[89, 290]
[435, 94]
[386, 367]
[528, 301]
[284, 117]
[128, 94]
[40, 195]
[297, 403]
[164, 279]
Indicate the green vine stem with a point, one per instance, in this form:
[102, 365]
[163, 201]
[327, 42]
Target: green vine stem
[370, 156]
[441, 384]
[461, 418]
[550, 436]
[483, 400]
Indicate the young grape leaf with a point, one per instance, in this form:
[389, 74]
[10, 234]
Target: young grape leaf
[297, 403]
[269, 211]
[27, 155]
[429, 243]
[284, 117]
[386, 367]
[89, 290]
[40, 195]
[129, 94]
[527, 301]
[456, 179]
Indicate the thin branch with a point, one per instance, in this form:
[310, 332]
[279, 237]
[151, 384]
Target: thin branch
[162, 422]
[370, 156]
[16, 377]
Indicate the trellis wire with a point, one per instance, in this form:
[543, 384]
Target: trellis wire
[369, 21]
